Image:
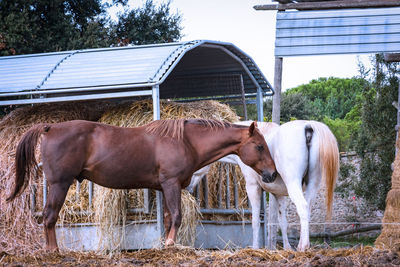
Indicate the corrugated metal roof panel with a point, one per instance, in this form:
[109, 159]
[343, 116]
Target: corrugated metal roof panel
[337, 32]
[108, 67]
[25, 73]
[76, 74]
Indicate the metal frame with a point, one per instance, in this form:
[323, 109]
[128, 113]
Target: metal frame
[228, 210]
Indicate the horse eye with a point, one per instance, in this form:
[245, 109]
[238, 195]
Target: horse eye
[260, 148]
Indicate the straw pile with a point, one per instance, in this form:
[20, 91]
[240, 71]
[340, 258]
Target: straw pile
[184, 256]
[18, 228]
[390, 236]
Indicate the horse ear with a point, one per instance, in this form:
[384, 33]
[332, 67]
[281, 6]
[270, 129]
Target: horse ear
[252, 128]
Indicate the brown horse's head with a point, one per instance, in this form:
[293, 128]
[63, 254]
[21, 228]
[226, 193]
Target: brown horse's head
[254, 152]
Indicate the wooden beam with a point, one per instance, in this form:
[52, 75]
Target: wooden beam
[330, 5]
[392, 57]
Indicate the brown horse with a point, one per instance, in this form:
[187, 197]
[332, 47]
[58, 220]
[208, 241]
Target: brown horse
[162, 155]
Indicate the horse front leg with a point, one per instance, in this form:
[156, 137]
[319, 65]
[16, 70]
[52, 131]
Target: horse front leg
[254, 195]
[167, 219]
[55, 200]
[172, 196]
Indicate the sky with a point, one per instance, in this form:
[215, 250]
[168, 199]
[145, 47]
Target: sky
[237, 22]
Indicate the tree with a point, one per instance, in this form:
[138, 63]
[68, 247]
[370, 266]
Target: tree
[29, 26]
[147, 25]
[293, 106]
[331, 97]
[376, 139]
[37, 26]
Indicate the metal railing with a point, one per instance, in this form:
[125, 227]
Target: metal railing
[145, 209]
[224, 206]
[221, 197]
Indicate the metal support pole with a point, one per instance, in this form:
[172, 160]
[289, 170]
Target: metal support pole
[260, 106]
[236, 192]
[90, 188]
[156, 102]
[219, 197]
[243, 98]
[228, 190]
[159, 197]
[205, 191]
[33, 198]
[146, 200]
[276, 100]
[276, 117]
[78, 191]
[44, 190]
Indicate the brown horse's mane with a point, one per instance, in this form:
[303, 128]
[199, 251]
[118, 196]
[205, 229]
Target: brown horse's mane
[175, 128]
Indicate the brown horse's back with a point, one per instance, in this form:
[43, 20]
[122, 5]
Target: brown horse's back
[110, 156]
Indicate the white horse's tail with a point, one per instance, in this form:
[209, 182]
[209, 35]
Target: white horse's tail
[329, 161]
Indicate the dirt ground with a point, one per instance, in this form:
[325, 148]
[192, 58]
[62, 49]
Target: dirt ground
[184, 256]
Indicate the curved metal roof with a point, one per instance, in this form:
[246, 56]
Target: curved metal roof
[187, 69]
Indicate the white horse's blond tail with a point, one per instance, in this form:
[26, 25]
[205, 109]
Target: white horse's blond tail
[329, 162]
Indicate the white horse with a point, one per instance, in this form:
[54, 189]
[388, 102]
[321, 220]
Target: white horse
[305, 152]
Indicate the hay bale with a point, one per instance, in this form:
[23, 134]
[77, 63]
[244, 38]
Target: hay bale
[390, 235]
[18, 227]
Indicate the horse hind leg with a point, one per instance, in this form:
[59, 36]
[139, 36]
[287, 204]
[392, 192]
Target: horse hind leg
[55, 200]
[297, 197]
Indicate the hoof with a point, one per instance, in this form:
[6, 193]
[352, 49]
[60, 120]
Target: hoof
[52, 249]
[169, 242]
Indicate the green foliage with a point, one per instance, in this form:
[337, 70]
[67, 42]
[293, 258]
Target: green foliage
[293, 106]
[331, 97]
[147, 25]
[376, 138]
[37, 26]
[34, 26]
[343, 130]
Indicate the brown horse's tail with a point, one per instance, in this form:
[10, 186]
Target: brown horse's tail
[25, 161]
[329, 162]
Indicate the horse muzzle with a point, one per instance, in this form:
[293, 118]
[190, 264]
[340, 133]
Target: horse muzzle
[267, 177]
